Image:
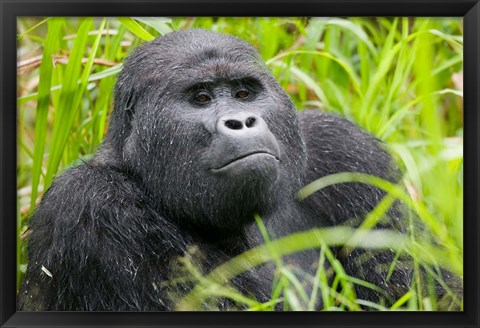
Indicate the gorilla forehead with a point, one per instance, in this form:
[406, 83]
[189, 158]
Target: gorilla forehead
[194, 51]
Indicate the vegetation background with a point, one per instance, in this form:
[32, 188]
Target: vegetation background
[399, 78]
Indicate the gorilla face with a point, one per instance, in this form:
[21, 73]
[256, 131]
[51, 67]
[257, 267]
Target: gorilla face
[207, 129]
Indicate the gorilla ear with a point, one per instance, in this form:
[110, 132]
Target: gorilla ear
[130, 105]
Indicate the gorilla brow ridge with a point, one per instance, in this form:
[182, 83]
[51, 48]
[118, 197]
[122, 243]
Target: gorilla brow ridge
[252, 83]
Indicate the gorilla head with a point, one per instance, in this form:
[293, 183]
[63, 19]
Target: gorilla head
[205, 127]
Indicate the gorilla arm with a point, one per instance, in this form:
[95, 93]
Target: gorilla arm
[95, 244]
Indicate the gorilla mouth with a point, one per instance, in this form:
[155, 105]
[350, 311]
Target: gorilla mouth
[261, 153]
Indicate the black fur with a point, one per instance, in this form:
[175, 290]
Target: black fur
[106, 233]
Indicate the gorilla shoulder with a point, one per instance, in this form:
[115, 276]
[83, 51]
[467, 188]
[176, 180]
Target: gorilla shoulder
[335, 145]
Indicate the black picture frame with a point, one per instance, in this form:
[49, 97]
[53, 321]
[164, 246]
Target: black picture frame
[10, 9]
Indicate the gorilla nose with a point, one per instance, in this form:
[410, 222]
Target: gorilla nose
[240, 123]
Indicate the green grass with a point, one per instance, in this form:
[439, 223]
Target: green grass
[399, 78]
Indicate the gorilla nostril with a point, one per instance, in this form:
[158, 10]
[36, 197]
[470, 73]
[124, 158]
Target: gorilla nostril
[233, 124]
[250, 122]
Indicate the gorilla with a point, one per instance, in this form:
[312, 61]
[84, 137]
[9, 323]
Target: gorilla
[201, 139]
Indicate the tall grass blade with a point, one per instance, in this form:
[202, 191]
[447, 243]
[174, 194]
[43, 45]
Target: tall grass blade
[70, 96]
[43, 103]
[136, 28]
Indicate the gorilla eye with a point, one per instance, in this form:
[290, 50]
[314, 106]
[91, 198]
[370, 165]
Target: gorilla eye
[202, 98]
[242, 94]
